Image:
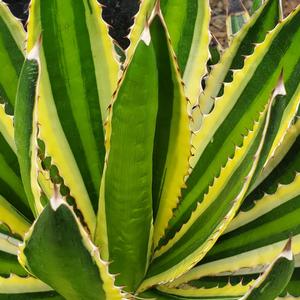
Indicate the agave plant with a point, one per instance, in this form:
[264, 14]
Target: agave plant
[169, 172]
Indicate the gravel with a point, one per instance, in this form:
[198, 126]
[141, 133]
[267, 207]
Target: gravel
[218, 21]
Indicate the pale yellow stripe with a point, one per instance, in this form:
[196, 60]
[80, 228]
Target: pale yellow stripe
[7, 127]
[10, 217]
[9, 244]
[106, 66]
[18, 285]
[225, 291]
[264, 205]
[199, 54]
[254, 261]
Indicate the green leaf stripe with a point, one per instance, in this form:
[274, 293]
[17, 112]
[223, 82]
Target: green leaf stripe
[186, 17]
[9, 265]
[283, 174]
[11, 186]
[12, 37]
[282, 119]
[188, 25]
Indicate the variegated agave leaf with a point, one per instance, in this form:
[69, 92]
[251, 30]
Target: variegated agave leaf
[172, 174]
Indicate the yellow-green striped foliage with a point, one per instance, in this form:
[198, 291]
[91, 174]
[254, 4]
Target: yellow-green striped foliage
[172, 174]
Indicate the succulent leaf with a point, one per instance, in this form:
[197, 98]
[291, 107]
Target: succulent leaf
[243, 45]
[169, 170]
[69, 265]
[125, 209]
[25, 124]
[172, 133]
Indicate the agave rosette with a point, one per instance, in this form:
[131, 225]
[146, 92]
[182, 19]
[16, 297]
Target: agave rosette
[171, 174]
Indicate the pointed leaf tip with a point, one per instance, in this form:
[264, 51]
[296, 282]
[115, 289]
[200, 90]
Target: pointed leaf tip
[287, 250]
[34, 52]
[280, 87]
[146, 36]
[56, 200]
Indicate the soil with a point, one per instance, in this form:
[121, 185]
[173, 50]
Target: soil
[218, 21]
[119, 13]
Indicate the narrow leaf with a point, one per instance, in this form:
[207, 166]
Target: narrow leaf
[273, 281]
[125, 209]
[188, 25]
[26, 129]
[172, 135]
[243, 45]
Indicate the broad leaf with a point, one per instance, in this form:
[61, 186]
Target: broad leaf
[59, 252]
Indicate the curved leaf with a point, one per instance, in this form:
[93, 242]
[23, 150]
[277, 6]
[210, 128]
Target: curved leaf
[273, 281]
